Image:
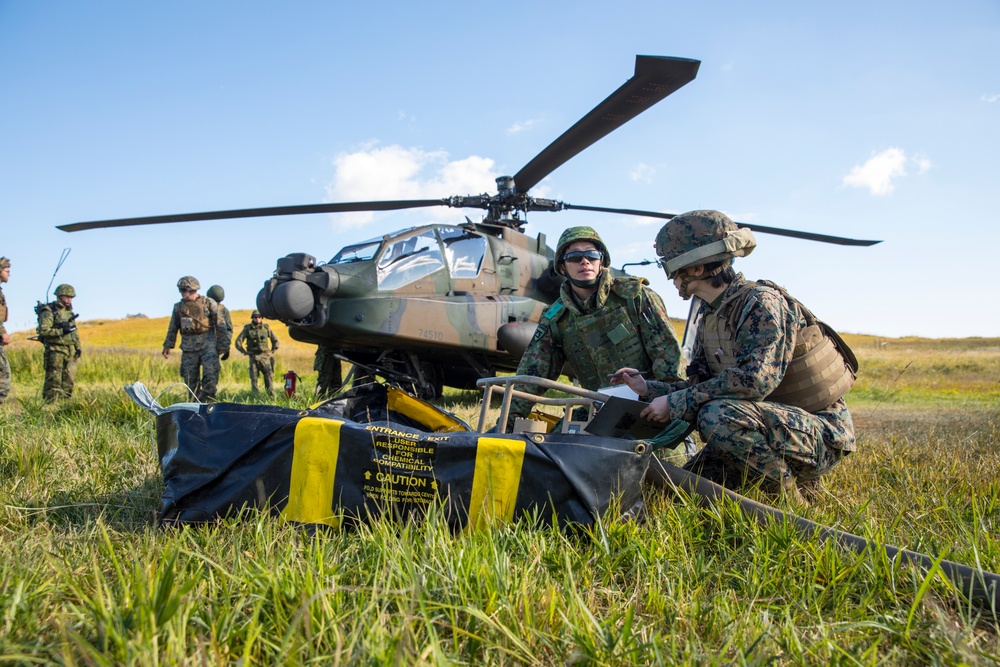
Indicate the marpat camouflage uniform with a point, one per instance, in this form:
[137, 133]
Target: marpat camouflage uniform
[203, 339]
[329, 378]
[746, 436]
[4, 364]
[261, 344]
[57, 332]
[227, 319]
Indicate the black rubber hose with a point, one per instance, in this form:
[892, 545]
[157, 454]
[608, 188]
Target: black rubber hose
[982, 588]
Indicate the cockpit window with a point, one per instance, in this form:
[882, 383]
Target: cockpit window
[464, 251]
[357, 252]
[408, 260]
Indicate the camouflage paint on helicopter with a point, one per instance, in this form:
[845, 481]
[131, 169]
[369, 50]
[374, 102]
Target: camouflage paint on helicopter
[467, 296]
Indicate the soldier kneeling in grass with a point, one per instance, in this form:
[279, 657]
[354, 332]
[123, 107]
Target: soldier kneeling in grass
[766, 380]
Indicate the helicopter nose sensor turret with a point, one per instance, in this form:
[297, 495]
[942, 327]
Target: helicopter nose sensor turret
[298, 291]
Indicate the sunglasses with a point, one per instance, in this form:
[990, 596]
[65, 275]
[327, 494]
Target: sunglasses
[185, 291]
[577, 256]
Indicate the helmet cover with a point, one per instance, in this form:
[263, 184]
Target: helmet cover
[574, 234]
[65, 290]
[188, 282]
[701, 237]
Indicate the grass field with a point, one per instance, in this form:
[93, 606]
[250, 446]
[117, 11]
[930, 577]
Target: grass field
[88, 577]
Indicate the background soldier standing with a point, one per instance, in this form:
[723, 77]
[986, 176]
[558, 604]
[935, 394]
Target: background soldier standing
[329, 378]
[4, 336]
[57, 332]
[261, 344]
[218, 294]
[204, 338]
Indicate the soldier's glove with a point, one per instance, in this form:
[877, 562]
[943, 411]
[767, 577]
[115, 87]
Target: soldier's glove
[224, 355]
[78, 353]
[67, 327]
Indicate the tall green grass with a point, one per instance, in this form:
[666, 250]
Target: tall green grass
[88, 577]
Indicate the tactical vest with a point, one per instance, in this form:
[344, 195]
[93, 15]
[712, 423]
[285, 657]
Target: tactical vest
[822, 368]
[258, 339]
[194, 316]
[59, 315]
[598, 344]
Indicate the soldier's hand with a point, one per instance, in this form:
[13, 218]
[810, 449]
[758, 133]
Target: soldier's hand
[5, 338]
[166, 353]
[632, 378]
[658, 410]
[78, 353]
[224, 355]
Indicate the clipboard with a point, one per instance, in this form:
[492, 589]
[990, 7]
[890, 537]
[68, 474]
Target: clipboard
[619, 417]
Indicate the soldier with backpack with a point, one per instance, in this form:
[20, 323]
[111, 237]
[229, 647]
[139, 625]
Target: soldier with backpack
[57, 332]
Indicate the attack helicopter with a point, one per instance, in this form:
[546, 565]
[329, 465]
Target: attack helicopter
[448, 304]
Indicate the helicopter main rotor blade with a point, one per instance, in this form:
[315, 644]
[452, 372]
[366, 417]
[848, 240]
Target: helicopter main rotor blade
[655, 78]
[777, 231]
[343, 207]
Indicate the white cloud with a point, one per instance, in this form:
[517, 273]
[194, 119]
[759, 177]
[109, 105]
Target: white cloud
[878, 172]
[991, 98]
[923, 163]
[642, 172]
[377, 173]
[521, 127]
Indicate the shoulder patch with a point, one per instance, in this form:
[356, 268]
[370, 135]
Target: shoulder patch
[554, 311]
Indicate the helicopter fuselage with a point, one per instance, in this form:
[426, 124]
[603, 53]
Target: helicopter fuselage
[446, 304]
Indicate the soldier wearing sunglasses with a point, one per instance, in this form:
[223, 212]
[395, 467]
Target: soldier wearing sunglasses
[598, 322]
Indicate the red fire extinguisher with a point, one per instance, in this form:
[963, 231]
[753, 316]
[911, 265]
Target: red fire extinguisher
[290, 380]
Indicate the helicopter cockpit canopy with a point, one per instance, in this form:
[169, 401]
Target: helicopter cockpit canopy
[415, 253]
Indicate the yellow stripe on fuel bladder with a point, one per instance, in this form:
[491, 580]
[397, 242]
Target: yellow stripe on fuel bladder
[496, 481]
[316, 445]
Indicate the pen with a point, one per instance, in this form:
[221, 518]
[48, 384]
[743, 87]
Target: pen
[630, 373]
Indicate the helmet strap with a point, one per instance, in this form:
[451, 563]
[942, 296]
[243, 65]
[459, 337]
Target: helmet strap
[687, 279]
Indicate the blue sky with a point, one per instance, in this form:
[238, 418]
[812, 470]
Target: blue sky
[864, 119]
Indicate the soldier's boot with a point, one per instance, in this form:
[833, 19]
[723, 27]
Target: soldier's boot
[811, 489]
[791, 495]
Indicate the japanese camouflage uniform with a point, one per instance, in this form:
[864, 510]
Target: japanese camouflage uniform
[57, 332]
[624, 323]
[204, 337]
[766, 379]
[260, 344]
[4, 364]
[329, 378]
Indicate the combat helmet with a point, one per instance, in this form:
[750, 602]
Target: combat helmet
[254, 314]
[216, 293]
[701, 237]
[4, 263]
[574, 234]
[65, 290]
[188, 282]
